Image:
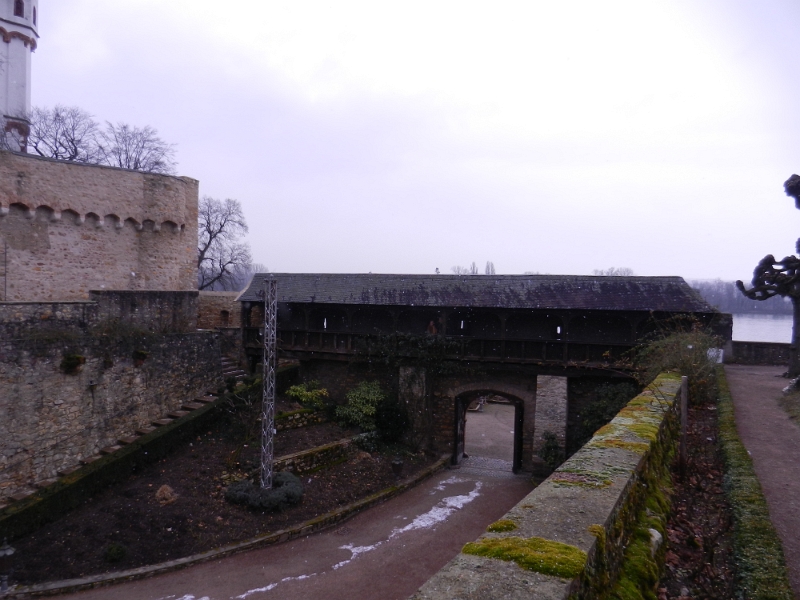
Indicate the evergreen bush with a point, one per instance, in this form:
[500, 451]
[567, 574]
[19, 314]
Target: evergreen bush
[286, 491]
[362, 405]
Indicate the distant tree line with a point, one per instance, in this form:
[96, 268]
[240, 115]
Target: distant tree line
[727, 298]
[473, 269]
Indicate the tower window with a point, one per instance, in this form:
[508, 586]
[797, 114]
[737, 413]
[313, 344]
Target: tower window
[19, 8]
[34, 15]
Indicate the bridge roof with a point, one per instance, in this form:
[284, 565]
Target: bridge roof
[668, 294]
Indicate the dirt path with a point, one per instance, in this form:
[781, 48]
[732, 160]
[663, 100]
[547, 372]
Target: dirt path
[384, 553]
[773, 441]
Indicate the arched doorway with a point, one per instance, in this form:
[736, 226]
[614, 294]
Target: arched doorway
[489, 424]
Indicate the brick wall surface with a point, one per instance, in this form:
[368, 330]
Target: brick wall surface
[50, 420]
[69, 228]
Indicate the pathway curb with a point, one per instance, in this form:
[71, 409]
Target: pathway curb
[302, 529]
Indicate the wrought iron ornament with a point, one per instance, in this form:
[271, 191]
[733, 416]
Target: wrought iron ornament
[270, 364]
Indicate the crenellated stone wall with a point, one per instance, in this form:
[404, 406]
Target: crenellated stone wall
[67, 228]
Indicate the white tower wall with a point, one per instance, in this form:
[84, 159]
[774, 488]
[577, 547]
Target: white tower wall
[18, 39]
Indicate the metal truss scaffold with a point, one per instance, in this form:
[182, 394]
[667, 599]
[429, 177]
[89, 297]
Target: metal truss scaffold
[270, 364]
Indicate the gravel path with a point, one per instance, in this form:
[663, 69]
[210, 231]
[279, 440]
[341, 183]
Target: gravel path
[773, 442]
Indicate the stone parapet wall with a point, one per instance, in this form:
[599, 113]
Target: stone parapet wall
[152, 310]
[40, 319]
[69, 228]
[52, 417]
[218, 309]
[584, 511]
[759, 353]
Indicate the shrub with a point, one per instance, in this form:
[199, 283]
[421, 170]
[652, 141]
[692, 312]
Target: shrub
[391, 419]
[689, 352]
[72, 363]
[362, 404]
[286, 491]
[309, 394]
[115, 552]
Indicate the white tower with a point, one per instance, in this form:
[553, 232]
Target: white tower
[18, 35]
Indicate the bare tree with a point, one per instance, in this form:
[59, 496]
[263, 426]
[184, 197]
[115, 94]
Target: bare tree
[221, 258]
[137, 148]
[457, 270]
[489, 267]
[614, 272]
[64, 133]
[773, 277]
[71, 133]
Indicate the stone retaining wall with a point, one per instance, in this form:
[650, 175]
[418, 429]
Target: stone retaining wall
[316, 458]
[52, 416]
[299, 418]
[584, 511]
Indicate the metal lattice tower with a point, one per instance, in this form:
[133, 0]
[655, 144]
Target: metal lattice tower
[270, 364]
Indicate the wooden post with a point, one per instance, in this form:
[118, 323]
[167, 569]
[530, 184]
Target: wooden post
[684, 419]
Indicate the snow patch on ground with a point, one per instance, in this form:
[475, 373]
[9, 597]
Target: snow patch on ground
[443, 509]
[440, 512]
[355, 551]
[450, 481]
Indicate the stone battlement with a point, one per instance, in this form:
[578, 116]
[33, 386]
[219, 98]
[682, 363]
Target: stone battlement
[67, 228]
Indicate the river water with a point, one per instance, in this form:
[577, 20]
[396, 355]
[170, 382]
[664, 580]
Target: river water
[762, 328]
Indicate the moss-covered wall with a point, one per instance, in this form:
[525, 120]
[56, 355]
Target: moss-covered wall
[567, 537]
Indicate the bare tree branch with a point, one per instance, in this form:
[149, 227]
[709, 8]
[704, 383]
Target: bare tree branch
[136, 148]
[223, 262]
[64, 133]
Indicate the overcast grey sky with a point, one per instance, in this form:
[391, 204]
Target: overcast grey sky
[399, 137]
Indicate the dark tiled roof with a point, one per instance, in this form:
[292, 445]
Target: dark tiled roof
[669, 294]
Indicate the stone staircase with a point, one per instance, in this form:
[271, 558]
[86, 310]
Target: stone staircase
[230, 368]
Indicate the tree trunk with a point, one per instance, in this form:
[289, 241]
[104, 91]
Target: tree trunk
[794, 356]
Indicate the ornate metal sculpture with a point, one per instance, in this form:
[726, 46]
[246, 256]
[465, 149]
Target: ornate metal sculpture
[781, 278]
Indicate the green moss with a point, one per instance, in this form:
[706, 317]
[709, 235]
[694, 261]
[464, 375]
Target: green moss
[759, 555]
[587, 479]
[501, 526]
[646, 431]
[637, 447]
[534, 554]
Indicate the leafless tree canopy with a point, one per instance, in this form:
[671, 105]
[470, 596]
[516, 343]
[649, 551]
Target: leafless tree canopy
[71, 133]
[64, 133]
[223, 262]
[137, 148]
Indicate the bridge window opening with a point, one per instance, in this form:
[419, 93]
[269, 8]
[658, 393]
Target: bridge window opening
[325, 323]
[34, 15]
[462, 324]
[558, 330]
[19, 8]
[224, 318]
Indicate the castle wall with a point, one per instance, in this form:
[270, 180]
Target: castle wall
[69, 228]
[51, 419]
